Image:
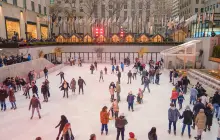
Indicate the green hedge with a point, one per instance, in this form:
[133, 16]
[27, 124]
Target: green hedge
[216, 52]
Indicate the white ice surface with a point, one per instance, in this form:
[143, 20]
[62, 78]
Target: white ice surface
[83, 111]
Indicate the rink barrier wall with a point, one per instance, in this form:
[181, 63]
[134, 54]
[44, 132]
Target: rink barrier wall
[88, 48]
[22, 69]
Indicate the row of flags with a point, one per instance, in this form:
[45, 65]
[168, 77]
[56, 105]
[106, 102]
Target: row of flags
[177, 22]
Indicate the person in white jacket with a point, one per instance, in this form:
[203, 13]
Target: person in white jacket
[204, 99]
[134, 73]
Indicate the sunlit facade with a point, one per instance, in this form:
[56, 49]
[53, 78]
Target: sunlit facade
[27, 19]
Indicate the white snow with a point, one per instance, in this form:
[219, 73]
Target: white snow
[83, 111]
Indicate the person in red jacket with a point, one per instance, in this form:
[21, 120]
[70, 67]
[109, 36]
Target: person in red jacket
[35, 104]
[12, 99]
[174, 96]
[3, 96]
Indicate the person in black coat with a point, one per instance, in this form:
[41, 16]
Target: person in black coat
[46, 73]
[34, 89]
[3, 96]
[65, 87]
[61, 76]
[187, 120]
[209, 116]
[61, 124]
[44, 91]
[119, 76]
[199, 105]
[185, 82]
[216, 102]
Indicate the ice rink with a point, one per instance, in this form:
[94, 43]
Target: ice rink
[83, 111]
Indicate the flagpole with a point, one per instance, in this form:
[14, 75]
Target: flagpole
[132, 27]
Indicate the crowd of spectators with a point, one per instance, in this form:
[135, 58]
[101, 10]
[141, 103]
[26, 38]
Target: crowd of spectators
[9, 60]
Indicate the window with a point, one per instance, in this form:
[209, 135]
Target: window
[45, 10]
[140, 5]
[25, 4]
[140, 12]
[125, 6]
[4, 0]
[196, 10]
[202, 10]
[214, 6]
[197, 1]
[15, 2]
[81, 1]
[51, 1]
[133, 4]
[110, 6]
[81, 9]
[39, 8]
[32, 6]
[210, 7]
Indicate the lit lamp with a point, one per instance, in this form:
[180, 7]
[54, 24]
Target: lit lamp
[0, 5]
[21, 11]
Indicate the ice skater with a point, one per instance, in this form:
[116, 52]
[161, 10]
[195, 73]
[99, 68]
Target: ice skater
[140, 96]
[46, 72]
[73, 85]
[34, 89]
[111, 91]
[122, 66]
[12, 98]
[61, 76]
[92, 68]
[81, 82]
[27, 90]
[105, 69]
[44, 91]
[129, 77]
[61, 124]
[101, 76]
[113, 69]
[65, 87]
[3, 96]
[115, 108]
[130, 100]
[96, 65]
[120, 125]
[146, 84]
[118, 90]
[119, 77]
[104, 117]
[35, 104]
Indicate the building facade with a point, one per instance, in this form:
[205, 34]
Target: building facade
[26, 18]
[191, 7]
[131, 15]
[175, 8]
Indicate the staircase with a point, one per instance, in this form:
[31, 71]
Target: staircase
[209, 83]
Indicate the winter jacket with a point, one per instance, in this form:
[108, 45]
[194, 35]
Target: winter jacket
[34, 103]
[204, 100]
[113, 67]
[130, 98]
[187, 117]
[181, 98]
[129, 74]
[11, 95]
[61, 74]
[115, 106]
[121, 122]
[92, 68]
[144, 73]
[193, 92]
[151, 137]
[119, 74]
[209, 116]
[81, 82]
[173, 114]
[216, 99]
[185, 81]
[45, 70]
[63, 86]
[201, 120]
[122, 65]
[34, 89]
[197, 107]
[73, 84]
[104, 117]
[44, 89]
[118, 88]
[3, 95]
[111, 91]
[174, 95]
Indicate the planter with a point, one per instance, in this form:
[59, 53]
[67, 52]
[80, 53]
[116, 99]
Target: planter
[214, 59]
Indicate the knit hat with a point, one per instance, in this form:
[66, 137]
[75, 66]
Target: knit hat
[92, 136]
[131, 134]
[187, 107]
